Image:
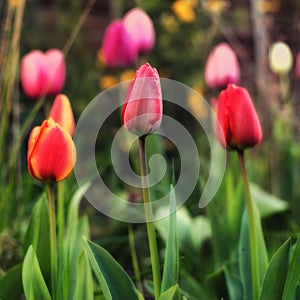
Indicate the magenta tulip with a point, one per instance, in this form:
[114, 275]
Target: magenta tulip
[140, 27]
[118, 48]
[222, 67]
[238, 123]
[43, 74]
[142, 111]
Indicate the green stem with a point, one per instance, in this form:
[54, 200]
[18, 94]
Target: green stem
[252, 229]
[60, 213]
[135, 263]
[149, 219]
[53, 247]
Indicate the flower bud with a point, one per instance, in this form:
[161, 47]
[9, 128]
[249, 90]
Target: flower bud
[222, 67]
[62, 114]
[43, 74]
[140, 27]
[142, 111]
[51, 152]
[280, 58]
[238, 124]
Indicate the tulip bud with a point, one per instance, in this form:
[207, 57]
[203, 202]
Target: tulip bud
[222, 67]
[118, 49]
[139, 25]
[142, 111]
[62, 114]
[280, 58]
[43, 74]
[238, 123]
[51, 152]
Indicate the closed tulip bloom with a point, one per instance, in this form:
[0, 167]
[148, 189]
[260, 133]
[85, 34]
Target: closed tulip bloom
[222, 67]
[43, 74]
[142, 111]
[51, 152]
[118, 48]
[139, 25]
[61, 112]
[238, 124]
[280, 58]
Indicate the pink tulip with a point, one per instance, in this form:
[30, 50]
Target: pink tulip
[139, 25]
[297, 69]
[222, 67]
[43, 74]
[142, 111]
[118, 48]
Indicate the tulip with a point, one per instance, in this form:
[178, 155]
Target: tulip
[62, 114]
[51, 152]
[139, 25]
[222, 67]
[118, 48]
[142, 111]
[297, 68]
[43, 74]
[280, 58]
[238, 124]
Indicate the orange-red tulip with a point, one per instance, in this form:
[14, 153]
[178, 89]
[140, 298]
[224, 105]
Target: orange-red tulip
[142, 111]
[51, 152]
[61, 112]
[238, 123]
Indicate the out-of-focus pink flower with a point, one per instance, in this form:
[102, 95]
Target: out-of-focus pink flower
[139, 25]
[142, 110]
[118, 48]
[297, 68]
[222, 67]
[43, 74]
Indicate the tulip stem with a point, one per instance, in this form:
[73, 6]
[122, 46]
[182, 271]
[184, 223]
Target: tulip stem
[60, 213]
[252, 230]
[52, 224]
[149, 218]
[135, 263]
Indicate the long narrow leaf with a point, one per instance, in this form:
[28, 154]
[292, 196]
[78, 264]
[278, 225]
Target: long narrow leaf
[33, 281]
[171, 294]
[273, 283]
[293, 274]
[114, 281]
[171, 264]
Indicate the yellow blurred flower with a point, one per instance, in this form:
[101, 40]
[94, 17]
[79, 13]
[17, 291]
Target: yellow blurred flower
[196, 103]
[169, 22]
[14, 3]
[184, 10]
[127, 75]
[268, 6]
[216, 6]
[107, 81]
[280, 58]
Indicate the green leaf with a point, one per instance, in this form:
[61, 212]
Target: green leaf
[11, 284]
[171, 294]
[171, 263]
[245, 255]
[273, 283]
[33, 281]
[84, 280]
[114, 281]
[233, 281]
[267, 204]
[293, 274]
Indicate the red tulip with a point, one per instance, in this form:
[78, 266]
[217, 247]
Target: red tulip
[118, 48]
[222, 67]
[61, 112]
[142, 111]
[238, 123]
[140, 27]
[51, 152]
[43, 74]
